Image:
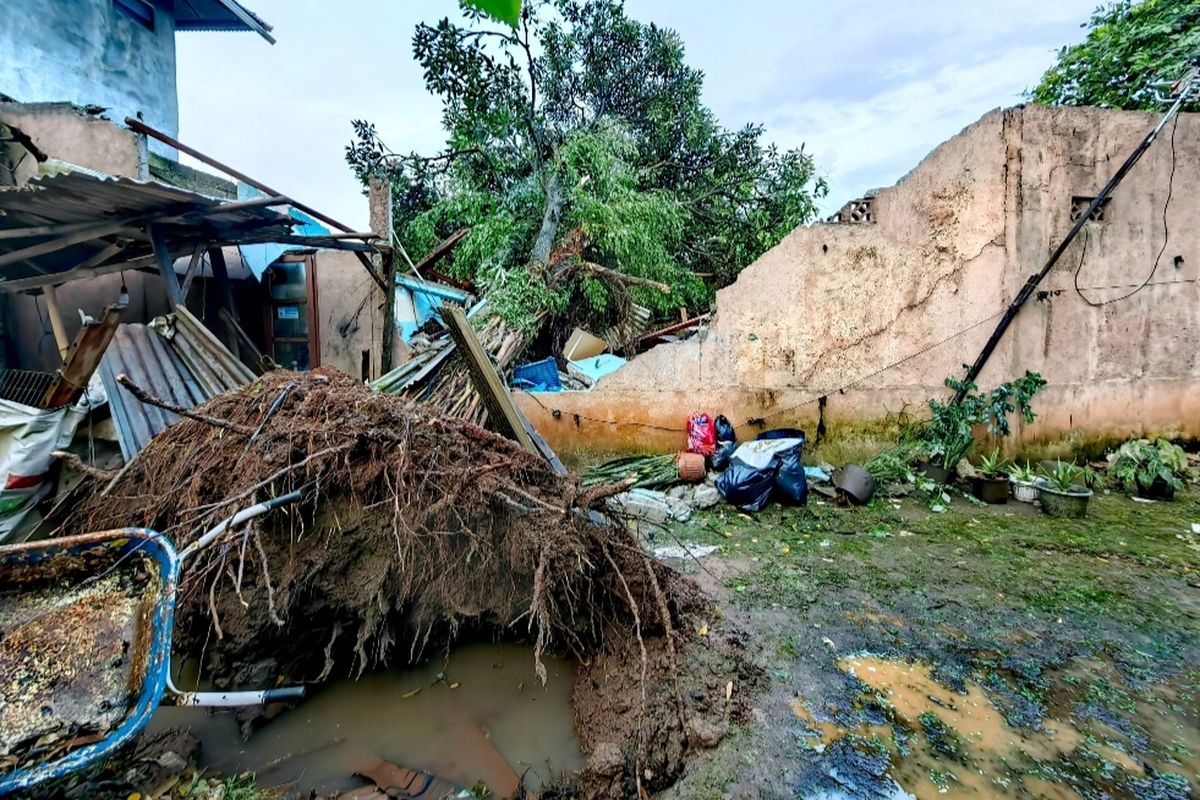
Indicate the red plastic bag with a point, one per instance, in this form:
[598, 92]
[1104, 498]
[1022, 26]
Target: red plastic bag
[701, 434]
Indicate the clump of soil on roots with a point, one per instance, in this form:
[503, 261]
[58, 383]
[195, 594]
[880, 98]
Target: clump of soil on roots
[412, 528]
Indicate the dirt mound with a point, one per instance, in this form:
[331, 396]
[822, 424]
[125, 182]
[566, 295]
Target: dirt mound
[412, 527]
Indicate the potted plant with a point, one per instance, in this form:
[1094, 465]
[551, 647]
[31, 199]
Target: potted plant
[1149, 470]
[1024, 482]
[1062, 493]
[991, 483]
[949, 435]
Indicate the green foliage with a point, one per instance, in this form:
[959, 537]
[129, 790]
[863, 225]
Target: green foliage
[508, 11]
[1138, 463]
[949, 434]
[579, 136]
[1066, 476]
[897, 464]
[1024, 473]
[1130, 46]
[993, 464]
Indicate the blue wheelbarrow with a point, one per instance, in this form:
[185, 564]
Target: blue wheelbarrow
[85, 646]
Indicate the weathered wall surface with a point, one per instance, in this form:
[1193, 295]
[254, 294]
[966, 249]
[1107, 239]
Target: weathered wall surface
[88, 52]
[874, 317]
[350, 306]
[62, 131]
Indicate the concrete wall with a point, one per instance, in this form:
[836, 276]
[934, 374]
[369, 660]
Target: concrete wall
[874, 317]
[88, 53]
[351, 315]
[63, 131]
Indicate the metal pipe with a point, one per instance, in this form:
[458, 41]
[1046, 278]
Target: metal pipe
[143, 128]
[235, 520]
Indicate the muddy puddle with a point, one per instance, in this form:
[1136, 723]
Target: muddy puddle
[946, 743]
[481, 715]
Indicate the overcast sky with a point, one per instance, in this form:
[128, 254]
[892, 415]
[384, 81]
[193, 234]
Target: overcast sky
[868, 87]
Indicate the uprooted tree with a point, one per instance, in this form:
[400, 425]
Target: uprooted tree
[587, 168]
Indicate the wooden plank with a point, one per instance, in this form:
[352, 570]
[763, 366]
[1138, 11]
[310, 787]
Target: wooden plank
[166, 265]
[85, 354]
[543, 447]
[192, 268]
[504, 415]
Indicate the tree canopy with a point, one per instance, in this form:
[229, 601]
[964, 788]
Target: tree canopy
[1130, 47]
[581, 157]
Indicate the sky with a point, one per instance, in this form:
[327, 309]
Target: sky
[868, 88]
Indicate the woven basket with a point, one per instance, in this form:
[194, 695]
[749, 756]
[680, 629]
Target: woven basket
[690, 467]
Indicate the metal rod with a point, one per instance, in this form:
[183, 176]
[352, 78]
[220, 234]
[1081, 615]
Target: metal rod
[1034, 280]
[143, 128]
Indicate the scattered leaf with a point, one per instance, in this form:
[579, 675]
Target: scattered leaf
[703, 630]
[728, 690]
[412, 693]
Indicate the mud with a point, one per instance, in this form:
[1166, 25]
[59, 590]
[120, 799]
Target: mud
[981, 652]
[413, 530]
[73, 640]
[479, 715]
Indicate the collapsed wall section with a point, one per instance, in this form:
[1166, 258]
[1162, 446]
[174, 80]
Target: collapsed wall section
[873, 317]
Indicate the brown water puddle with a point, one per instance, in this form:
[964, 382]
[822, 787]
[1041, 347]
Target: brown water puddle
[978, 754]
[487, 718]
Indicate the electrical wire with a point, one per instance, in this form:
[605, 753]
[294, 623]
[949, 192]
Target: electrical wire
[555, 412]
[1161, 250]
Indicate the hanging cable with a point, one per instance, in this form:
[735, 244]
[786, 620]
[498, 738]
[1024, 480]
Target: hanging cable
[1161, 250]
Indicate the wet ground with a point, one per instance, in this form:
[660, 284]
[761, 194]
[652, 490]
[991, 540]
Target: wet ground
[478, 718]
[981, 652]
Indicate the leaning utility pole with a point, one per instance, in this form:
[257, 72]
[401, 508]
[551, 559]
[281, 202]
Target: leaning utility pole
[1188, 88]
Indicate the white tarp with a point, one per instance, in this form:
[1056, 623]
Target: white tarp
[27, 438]
[759, 452]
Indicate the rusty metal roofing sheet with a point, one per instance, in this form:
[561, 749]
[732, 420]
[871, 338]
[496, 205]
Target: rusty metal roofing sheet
[116, 211]
[188, 368]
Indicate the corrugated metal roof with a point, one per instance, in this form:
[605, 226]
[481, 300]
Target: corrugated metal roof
[186, 369]
[116, 211]
[219, 15]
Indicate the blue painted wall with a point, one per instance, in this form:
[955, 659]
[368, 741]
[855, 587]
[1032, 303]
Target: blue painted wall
[88, 52]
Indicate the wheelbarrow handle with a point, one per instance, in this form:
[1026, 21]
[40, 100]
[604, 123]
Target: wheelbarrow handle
[235, 520]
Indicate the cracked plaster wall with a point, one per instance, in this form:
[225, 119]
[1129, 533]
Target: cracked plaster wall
[955, 240]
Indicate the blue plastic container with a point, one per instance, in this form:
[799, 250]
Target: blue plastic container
[538, 376]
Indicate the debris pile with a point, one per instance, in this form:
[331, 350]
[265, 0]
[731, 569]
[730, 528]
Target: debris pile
[414, 528]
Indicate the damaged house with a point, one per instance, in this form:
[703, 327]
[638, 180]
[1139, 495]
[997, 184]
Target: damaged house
[115, 258]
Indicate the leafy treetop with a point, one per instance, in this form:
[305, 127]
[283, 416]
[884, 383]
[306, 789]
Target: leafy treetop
[587, 168]
[1130, 47]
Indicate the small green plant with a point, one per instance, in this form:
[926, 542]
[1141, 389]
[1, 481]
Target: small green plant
[896, 464]
[1022, 473]
[993, 464]
[1139, 464]
[949, 434]
[1065, 477]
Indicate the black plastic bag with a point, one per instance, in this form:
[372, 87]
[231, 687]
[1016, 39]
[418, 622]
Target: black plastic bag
[747, 487]
[791, 485]
[780, 433]
[725, 432]
[720, 459]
